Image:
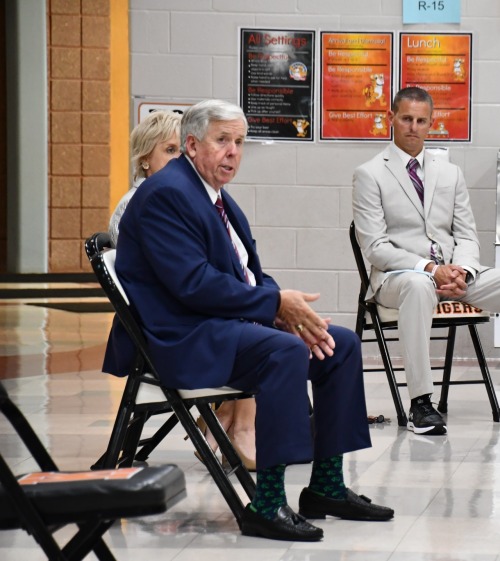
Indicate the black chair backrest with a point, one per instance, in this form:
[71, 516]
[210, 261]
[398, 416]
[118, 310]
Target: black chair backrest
[98, 242]
[360, 263]
[102, 263]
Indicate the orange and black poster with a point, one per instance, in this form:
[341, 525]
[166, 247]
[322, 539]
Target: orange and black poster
[356, 85]
[277, 83]
[441, 64]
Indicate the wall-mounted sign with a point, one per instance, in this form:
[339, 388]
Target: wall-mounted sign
[356, 85]
[277, 83]
[441, 63]
[143, 107]
[431, 11]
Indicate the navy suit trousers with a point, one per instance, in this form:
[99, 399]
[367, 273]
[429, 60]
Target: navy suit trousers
[276, 365]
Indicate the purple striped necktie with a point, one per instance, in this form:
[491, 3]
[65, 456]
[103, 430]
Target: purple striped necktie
[412, 167]
[219, 205]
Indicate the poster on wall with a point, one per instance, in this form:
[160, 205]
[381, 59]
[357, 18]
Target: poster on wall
[145, 106]
[441, 63]
[277, 83]
[356, 85]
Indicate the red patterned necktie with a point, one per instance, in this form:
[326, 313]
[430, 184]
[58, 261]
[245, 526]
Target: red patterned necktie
[219, 205]
[412, 167]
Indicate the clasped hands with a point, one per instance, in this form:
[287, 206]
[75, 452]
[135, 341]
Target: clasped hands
[296, 316]
[450, 281]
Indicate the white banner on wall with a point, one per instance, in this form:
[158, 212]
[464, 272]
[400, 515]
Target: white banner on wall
[144, 106]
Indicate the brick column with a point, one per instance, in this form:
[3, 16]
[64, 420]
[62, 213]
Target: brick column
[79, 144]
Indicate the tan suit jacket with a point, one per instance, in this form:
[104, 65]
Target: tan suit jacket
[395, 231]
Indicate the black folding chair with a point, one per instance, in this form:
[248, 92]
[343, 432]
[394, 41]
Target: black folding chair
[147, 401]
[43, 502]
[448, 314]
[125, 437]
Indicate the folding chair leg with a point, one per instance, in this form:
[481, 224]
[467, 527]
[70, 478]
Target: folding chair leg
[89, 538]
[109, 459]
[151, 443]
[102, 551]
[445, 386]
[485, 372]
[32, 522]
[209, 458]
[360, 320]
[131, 440]
[226, 448]
[45, 540]
[389, 370]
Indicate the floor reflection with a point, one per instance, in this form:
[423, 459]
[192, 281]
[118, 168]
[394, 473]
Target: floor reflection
[445, 490]
[37, 340]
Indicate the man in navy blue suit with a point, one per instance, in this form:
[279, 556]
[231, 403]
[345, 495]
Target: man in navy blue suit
[188, 263]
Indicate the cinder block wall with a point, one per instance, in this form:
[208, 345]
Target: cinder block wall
[298, 197]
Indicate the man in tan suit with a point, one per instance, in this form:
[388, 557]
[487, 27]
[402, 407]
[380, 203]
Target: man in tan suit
[416, 228]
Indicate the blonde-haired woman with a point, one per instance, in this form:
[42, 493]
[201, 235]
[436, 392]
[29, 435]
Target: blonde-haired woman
[153, 143]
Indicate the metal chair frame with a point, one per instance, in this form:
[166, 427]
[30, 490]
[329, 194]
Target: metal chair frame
[368, 318]
[131, 416]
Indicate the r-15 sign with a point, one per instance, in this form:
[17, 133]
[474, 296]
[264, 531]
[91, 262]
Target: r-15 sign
[431, 11]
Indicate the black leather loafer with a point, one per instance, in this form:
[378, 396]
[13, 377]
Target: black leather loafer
[286, 525]
[353, 507]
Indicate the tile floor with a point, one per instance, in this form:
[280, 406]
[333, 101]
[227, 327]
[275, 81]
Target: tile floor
[445, 490]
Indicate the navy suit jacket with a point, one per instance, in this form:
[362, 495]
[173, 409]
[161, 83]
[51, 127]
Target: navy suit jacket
[184, 281]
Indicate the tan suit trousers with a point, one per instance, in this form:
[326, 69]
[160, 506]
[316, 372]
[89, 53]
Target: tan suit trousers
[415, 297]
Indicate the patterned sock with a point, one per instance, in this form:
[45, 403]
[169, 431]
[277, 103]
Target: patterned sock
[269, 491]
[327, 478]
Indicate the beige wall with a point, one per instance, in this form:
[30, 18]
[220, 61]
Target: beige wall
[298, 197]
